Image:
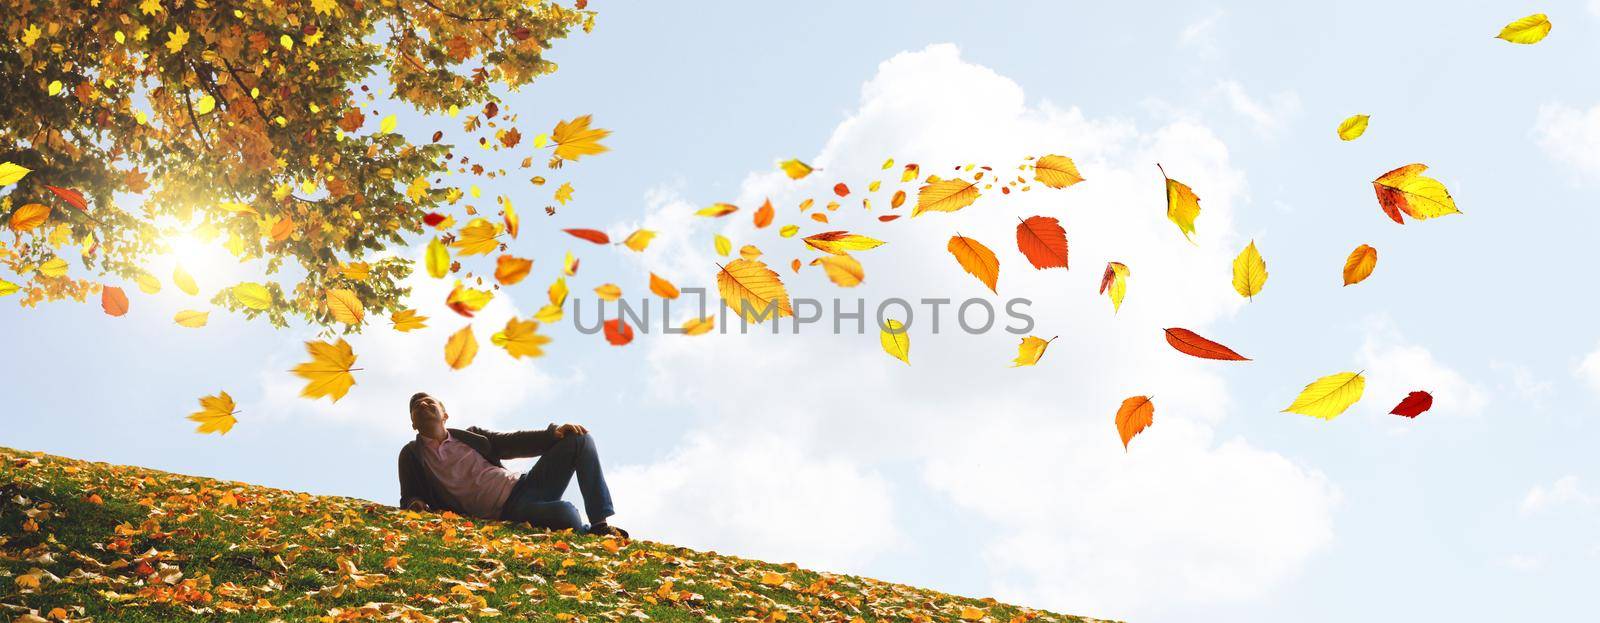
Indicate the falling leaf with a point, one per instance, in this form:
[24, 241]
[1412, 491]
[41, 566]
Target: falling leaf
[521, 339]
[795, 169]
[699, 326]
[749, 252]
[843, 270]
[1249, 272]
[113, 300]
[467, 301]
[763, 215]
[840, 242]
[513, 222]
[1359, 265]
[509, 270]
[1030, 351]
[608, 291]
[437, 259]
[54, 267]
[329, 370]
[1329, 396]
[1406, 190]
[788, 231]
[215, 414]
[1183, 206]
[479, 237]
[1115, 283]
[592, 235]
[662, 288]
[945, 196]
[717, 209]
[345, 306]
[752, 290]
[461, 348]
[1352, 128]
[181, 278]
[722, 245]
[841, 189]
[29, 216]
[892, 335]
[617, 332]
[190, 318]
[575, 139]
[1190, 343]
[253, 295]
[407, 320]
[976, 259]
[11, 173]
[1413, 405]
[1042, 240]
[1528, 30]
[388, 124]
[639, 240]
[7, 288]
[569, 266]
[1135, 414]
[1056, 171]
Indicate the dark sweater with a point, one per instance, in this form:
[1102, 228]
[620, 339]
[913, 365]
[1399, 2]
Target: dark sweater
[417, 483]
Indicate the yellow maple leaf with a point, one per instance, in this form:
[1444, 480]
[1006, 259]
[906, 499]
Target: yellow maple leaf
[215, 414]
[177, 39]
[521, 339]
[1329, 396]
[329, 370]
[795, 169]
[575, 139]
[407, 320]
[1030, 351]
[478, 237]
[564, 193]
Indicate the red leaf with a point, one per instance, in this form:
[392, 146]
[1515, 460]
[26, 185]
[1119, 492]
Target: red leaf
[618, 332]
[1042, 240]
[840, 189]
[433, 219]
[1188, 343]
[592, 235]
[113, 300]
[888, 217]
[71, 196]
[1414, 404]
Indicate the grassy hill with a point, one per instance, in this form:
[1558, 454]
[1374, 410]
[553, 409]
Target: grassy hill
[84, 541]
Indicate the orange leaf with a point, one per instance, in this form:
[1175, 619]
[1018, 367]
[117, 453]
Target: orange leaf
[618, 333]
[840, 189]
[1042, 240]
[1188, 343]
[71, 196]
[113, 300]
[763, 215]
[1133, 416]
[976, 259]
[509, 270]
[461, 348]
[662, 288]
[592, 235]
[1359, 265]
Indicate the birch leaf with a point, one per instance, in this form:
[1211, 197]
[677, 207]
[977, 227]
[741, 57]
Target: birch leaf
[1042, 240]
[437, 259]
[1135, 414]
[1359, 265]
[976, 259]
[892, 335]
[840, 242]
[1249, 272]
[662, 288]
[190, 318]
[461, 348]
[1056, 171]
[945, 196]
[1329, 396]
[1352, 128]
[752, 290]
[1528, 30]
[345, 306]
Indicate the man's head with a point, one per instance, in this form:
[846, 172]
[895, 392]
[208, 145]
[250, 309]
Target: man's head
[427, 411]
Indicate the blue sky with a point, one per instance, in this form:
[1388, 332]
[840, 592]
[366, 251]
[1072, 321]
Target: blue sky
[955, 472]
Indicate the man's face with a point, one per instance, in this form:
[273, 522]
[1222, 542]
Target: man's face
[429, 411]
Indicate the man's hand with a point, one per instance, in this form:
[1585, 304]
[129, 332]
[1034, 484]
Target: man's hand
[564, 429]
[417, 505]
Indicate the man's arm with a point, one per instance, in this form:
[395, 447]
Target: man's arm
[411, 483]
[520, 444]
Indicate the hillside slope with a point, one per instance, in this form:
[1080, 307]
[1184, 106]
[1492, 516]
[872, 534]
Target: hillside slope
[92, 541]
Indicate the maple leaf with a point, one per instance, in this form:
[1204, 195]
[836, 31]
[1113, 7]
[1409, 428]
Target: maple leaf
[575, 139]
[520, 338]
[328, 372]
[1030, 351]
[564, 193]
[216, 414]
[407, 320]
[976, 259]
[479, 237]
[177, 39]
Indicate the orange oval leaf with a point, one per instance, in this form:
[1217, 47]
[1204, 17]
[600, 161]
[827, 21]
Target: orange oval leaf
[592, 235]
[1042, 240]
[1135, 414]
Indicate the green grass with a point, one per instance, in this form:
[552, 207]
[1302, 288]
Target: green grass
[91, 541]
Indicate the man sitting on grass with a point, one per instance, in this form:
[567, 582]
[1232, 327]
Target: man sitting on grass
[460, 471]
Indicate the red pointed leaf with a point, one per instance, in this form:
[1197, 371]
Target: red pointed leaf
[592, 235]
[1414, 404]
[71, 196]
[1189, 343]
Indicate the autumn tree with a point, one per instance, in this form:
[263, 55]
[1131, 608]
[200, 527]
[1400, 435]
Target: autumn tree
[250, 122]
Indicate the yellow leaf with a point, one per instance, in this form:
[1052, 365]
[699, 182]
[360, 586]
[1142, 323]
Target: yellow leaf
[772, 579]
[148, 284]
[795, 169]
[843, 270]
[521, 339]
[437, 259]
[192, 319]
[722, 244]
[1418, 196]
[513, 222]
[1352, 128]
[699, 326]
[945, 196]
[558, 292]
[549, 314]
[1183, 206]
[286, 41]
[1056, 171]
[749, 251]
[356, 271]
[54, 267]
[574, 139]
[205, 105]
[510, 270]
[1360, 264]
[564, 193]
[976, 259]
[639, 240]
[788, 231]
[569, 266]
[895, 341]
[407, 320]
[181, 278]
[662, 288]
[388, 124]
[608, 291]
[215, 414]
[1249, 272]
[461, 348]
[11, 173]
[253, 295]
[329, 370]
[717, 209]
[752, 290]
[1528, 30]
[1030, 351]
[345, 306]
[840, 242]
[465, 301]
[177, 39]
[29, 217]
[1329, 396]
[7, 288]
[478, 237]
[969, 613]
[1117, 272]
[910, 173]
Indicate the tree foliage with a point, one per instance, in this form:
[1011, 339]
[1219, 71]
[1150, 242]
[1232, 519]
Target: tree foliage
[249, 123]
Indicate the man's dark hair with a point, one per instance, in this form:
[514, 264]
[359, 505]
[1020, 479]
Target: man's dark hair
[416, 400]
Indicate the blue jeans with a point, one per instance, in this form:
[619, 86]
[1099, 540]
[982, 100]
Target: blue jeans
[536, 498]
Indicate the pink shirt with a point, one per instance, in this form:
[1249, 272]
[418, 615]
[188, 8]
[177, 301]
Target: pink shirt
[466, 479]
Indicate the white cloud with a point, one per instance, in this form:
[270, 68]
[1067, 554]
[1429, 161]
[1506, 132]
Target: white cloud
[1564, 492]
[1395, 367]
[1269, 118]
[1571, 137]
[1588, 370]
[1069, 520]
